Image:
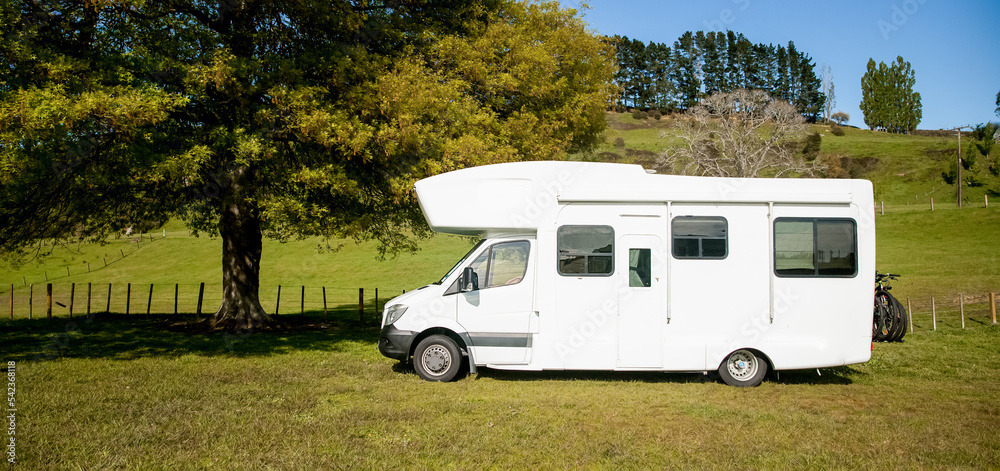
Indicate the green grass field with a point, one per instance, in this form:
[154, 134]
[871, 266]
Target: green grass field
[141, 392]
[128, 393]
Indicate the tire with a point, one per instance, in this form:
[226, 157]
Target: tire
[437, 358]
[882, 314]
[743, 369]
[904, 319]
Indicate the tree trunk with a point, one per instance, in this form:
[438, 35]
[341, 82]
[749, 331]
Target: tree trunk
[239, 225]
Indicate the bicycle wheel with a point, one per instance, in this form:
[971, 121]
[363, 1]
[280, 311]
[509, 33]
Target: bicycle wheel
[902, 319]
[895, 324]
[882, 317]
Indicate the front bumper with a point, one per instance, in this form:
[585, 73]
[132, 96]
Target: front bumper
[395, 343]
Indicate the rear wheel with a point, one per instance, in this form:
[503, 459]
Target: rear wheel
[437, 358]
[902, 320]
[882, 313]
[743, 368]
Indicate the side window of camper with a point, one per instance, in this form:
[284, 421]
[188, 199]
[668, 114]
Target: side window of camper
[815, 247]
[586, 250]
[700, 237]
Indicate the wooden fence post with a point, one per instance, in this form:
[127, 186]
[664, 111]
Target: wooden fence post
[361, 304]
[993, 307]
[176, 289]
[48, 300]
[31, 299]
[277, 303]
[302, 301]
[72, 294]
[149, 302]
[128, 298]
[933, 313]
[324, 301]
[201, 296]
[108, 309]
[932, 204]
[961, 308]
[909, 309]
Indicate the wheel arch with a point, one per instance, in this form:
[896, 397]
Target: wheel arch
[756, 351]
[462, 344]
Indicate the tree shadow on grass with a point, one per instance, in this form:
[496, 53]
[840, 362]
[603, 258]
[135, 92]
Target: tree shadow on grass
[117, 336]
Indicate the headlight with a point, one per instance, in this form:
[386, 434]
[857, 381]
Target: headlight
[394, 313]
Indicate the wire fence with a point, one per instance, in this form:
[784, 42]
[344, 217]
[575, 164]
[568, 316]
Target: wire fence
[66, 299]
[928, 204]
[951, 312]
[82, 299]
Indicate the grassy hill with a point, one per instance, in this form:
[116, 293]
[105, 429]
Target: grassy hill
[906, 169]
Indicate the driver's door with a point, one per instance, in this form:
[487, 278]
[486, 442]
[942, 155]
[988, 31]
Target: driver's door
[496, 312]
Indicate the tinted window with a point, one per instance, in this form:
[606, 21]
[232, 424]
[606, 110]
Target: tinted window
[639, 268]
[700, 237]
[586, 250]
[815, 247]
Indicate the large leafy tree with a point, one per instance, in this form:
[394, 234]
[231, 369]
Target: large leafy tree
[279, 119]
[887, 97]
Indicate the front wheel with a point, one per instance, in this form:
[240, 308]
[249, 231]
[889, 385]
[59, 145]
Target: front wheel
[437, 358]
[743, 368]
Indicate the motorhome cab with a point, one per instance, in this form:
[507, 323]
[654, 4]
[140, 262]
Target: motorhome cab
[594, 266]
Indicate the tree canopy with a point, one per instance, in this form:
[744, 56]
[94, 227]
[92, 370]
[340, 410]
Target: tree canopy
[888, 101]
[700, 64]
[252, 118]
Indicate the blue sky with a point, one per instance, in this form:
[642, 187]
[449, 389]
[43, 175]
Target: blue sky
[953, 46]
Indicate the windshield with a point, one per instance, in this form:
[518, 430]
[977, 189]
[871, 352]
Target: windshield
[460, 261]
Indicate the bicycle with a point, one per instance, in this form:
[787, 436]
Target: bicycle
[889, 318]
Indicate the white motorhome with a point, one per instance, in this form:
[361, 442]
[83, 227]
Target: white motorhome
[595, 266]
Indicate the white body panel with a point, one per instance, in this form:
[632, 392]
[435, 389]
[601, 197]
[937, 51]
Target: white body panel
[650, 308]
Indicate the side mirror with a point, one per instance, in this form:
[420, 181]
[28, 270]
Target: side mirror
[469, 280]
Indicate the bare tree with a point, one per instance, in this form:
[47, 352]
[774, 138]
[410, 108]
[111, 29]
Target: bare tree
[743, 133]
[828, 92]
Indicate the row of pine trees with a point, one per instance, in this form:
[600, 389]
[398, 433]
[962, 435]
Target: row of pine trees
[659, 76]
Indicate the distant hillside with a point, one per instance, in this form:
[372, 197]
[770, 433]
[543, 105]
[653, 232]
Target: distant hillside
[906, 169]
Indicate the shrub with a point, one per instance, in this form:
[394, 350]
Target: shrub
[836, 130]
[655, 114]
[620, 142]
[812, 145]
[637, 114]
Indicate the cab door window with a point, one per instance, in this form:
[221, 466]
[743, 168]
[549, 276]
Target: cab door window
[502, 264]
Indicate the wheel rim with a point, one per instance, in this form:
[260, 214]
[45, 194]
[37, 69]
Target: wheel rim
[436, 360]
[742, 365]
